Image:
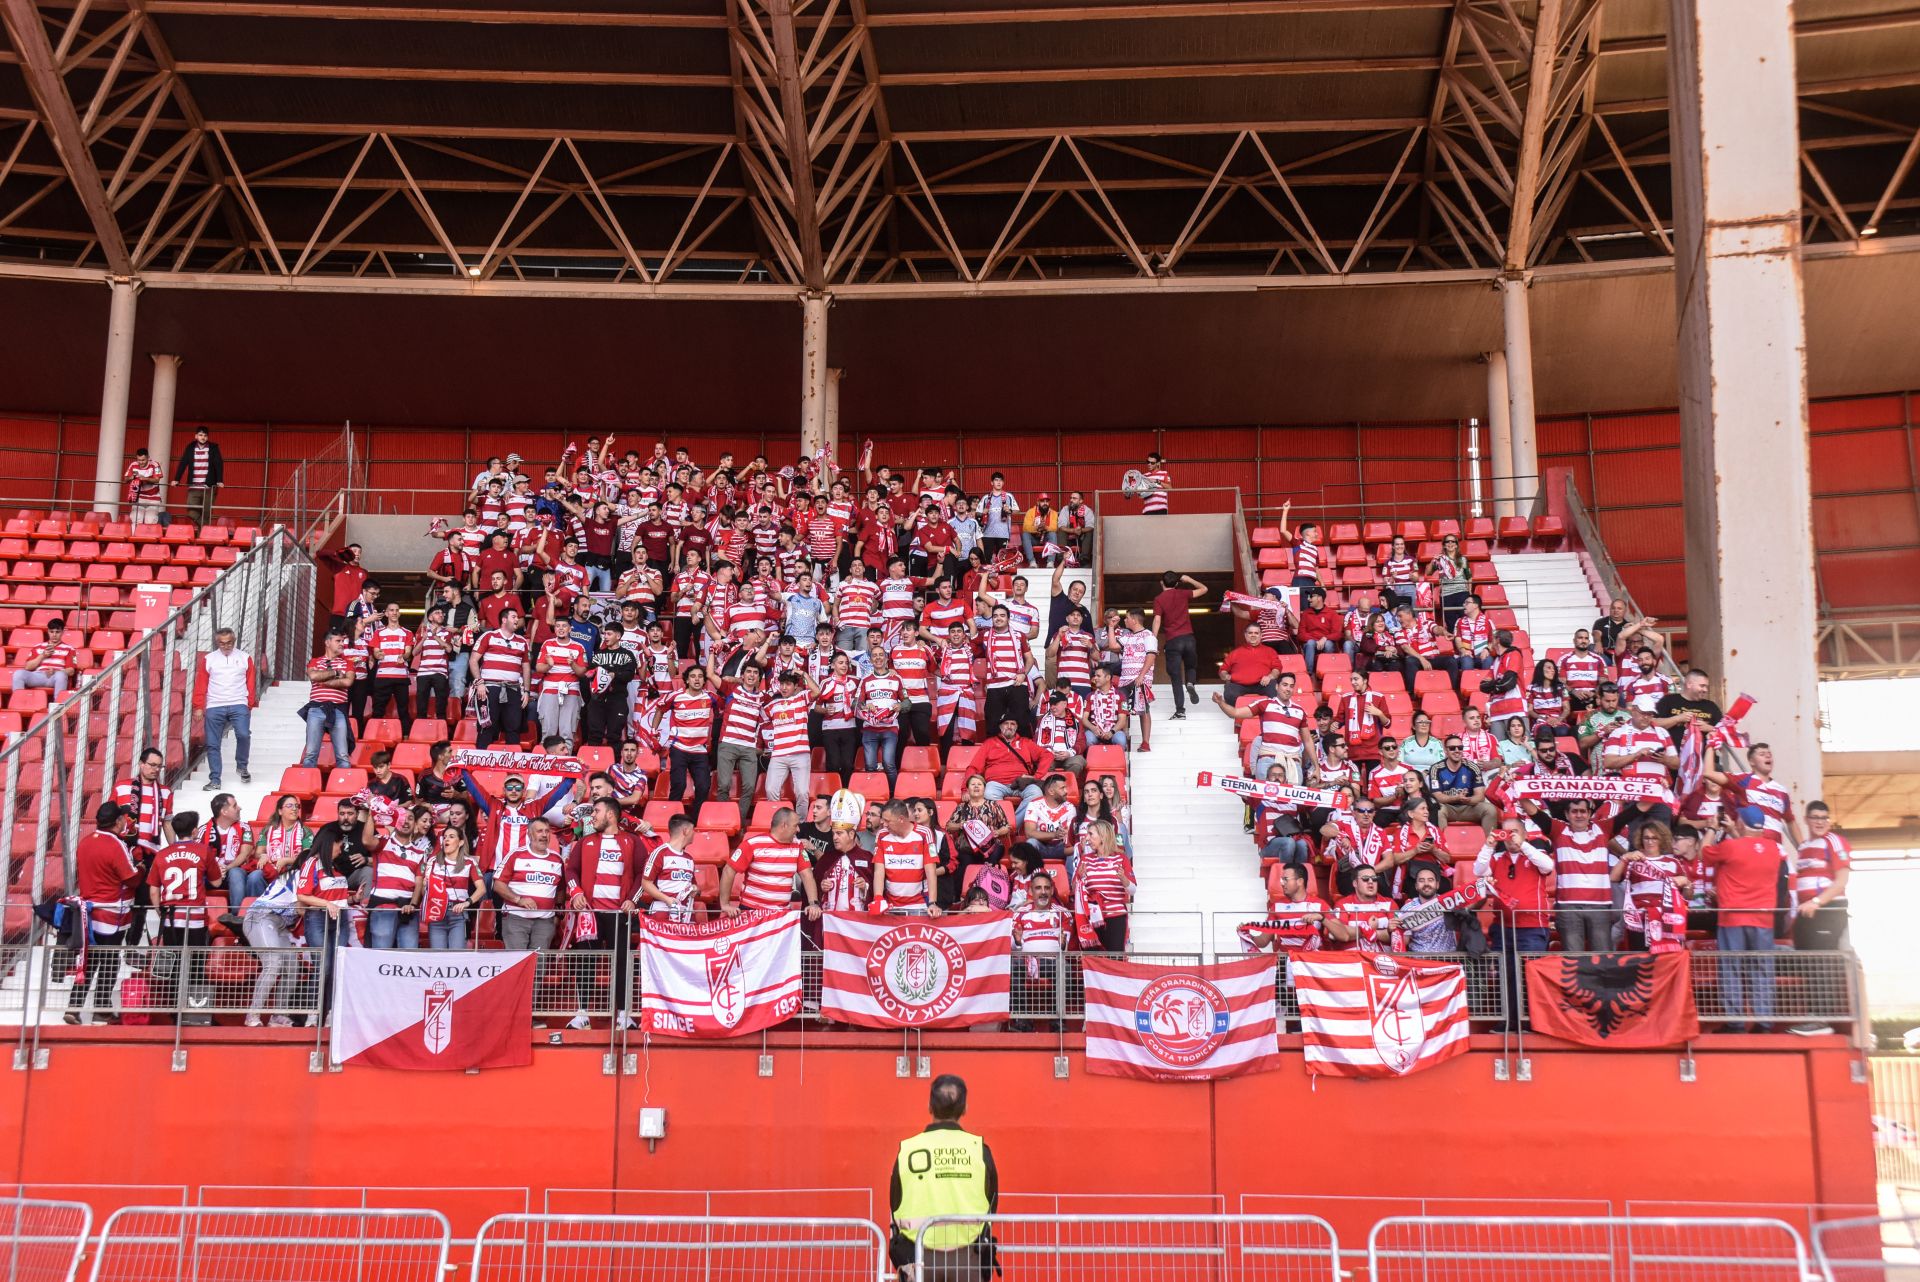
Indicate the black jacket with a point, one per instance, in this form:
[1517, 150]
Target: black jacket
[216, 470]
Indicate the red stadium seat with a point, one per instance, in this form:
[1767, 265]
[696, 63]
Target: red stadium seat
[1463, 839]
[1343, 532]
[1515, 531]
[920, 758]
[344, 781]
[429, 730]
[414, 758]
[1441, 529]
[964, 757]
[657, 813]
[719, 816]
[302, 781]
[1266, 536]
[1413, 531]
[708, 848]
[1478, 527]
[871, 785]
[1111, 758]
[1376, 532]
[1549, 533]
[384, 731]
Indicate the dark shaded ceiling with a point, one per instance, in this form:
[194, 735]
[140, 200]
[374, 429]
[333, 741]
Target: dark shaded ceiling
[1297, 355]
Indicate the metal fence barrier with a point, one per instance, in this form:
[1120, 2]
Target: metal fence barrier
[43, 1241]
[1135, 1248]
[1584, 1249]
[271, 1244]
[677, 1248]
[1868, 1249]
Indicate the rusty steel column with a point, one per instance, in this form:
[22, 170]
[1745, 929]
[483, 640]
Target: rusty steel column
[1499, 429]
[110, 462]
[166, 376]
[1742, 357]
[813, 372]
[832, 428]
[1518, 325]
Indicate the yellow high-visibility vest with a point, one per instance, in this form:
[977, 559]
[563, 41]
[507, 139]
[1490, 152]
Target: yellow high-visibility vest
[942, 1172]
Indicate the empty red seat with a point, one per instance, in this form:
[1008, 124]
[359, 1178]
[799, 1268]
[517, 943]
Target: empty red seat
[1483, 572]
[1266, 536]
[658, 813]
[1344, 532]
[1428, 679]
[381, 730]
[1492, 594]
[433, 730]
[117, 553]
[1463, 840]
[1272, 558]
[920, 758]
[1413, 531]
[871, 785]
[177, 534]
[1515, 531]
[719, 816]
[1111, 758]
[65, 571]
[710, 849]
[1478, 527]
[1441, 529]
[48, 549]
[1376, 532]
[302, 781]
[153, 554]
[190, 554]
[344, 781]
[914, 783]
[1549, 533]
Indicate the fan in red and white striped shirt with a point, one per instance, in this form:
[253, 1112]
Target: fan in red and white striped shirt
[764, 867]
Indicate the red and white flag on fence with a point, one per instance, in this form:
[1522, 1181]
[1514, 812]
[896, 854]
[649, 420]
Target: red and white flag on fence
[917, 972]
[445, 1010]
[1181, 1023]
[1370, 1015]
[722, 977]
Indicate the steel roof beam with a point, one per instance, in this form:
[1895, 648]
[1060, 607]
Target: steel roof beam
[29, 37]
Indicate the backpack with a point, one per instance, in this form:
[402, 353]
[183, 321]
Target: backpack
[997, 884]
[136, 999]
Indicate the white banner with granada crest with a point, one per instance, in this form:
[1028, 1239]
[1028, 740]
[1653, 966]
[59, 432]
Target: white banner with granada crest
[722, 977]
[917, 972]
[432, 1010]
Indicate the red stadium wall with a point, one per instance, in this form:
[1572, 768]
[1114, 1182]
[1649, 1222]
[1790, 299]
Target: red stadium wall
[1866, 483]
[1774, 1123]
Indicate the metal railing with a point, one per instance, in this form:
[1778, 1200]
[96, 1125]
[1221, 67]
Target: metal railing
[1132, 1248]
[322, 480]
[1868, 1249]
[1895, 1082]
[1550, 1248]
[52, 771]
[42, 1241]
[271, 1244]
[677, 1248]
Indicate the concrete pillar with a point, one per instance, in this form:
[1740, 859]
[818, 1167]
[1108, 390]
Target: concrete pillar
[166, 379]
[832, 428]
[1742, 361]
[1519, 335]
[110, 463]
[1499, 429]
[813, 373]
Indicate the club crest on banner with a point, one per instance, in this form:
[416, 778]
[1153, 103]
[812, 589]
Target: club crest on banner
[723, 982]
[1181, 1019]
[916, 972]
[436, 1021]
[1394, 1013]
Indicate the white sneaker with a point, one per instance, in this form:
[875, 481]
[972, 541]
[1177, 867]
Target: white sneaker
[580, 1022]
[253, 1021]
[280, 1021]
[624, 1022]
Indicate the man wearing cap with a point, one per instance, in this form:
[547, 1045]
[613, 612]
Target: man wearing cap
[106, 870]
[49, 665]
[1746, 864]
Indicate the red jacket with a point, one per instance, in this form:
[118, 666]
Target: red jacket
[1003, 761]
[585, 880]
[1522, 885]
[1321, 625]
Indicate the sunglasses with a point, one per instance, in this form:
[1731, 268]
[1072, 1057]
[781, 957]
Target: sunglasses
[1363, 810]
[1451, 746]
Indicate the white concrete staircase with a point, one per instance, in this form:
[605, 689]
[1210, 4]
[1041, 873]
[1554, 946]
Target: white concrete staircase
[1194, 861]
[279, 738]
[1552, 598]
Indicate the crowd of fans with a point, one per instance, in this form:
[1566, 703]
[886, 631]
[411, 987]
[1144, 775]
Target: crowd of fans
[781, 642]
[1414, 802]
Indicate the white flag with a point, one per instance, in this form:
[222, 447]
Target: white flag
[722, 977]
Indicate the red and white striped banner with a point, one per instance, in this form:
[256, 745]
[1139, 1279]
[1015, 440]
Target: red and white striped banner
[916, 972]
[1585, 788]
[1181, 1023]
[1370, 1015]
[722, 977]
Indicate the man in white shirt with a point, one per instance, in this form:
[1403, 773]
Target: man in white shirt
[228, 685]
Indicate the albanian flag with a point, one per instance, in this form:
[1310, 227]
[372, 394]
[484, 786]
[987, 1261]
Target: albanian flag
[1636, 1001]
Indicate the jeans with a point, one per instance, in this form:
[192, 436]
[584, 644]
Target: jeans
[1117, 739]
[272, 934]
[853, 639]
[1746, 983]
[242, 886]
[683, 764]
[328, 935]
[449, 932]
[744, 763]
[1511, 942]
[389, 927]
[1183, 668]
[238, 717]
[458, 675]
[1314, 649]
[1584, 930]
[319, 715]
[1288, 850]
[996, 791]
[880, 749]
[54, 681]
[599, 578]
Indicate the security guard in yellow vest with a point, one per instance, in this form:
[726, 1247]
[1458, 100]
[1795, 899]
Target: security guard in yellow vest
[945, 1171]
